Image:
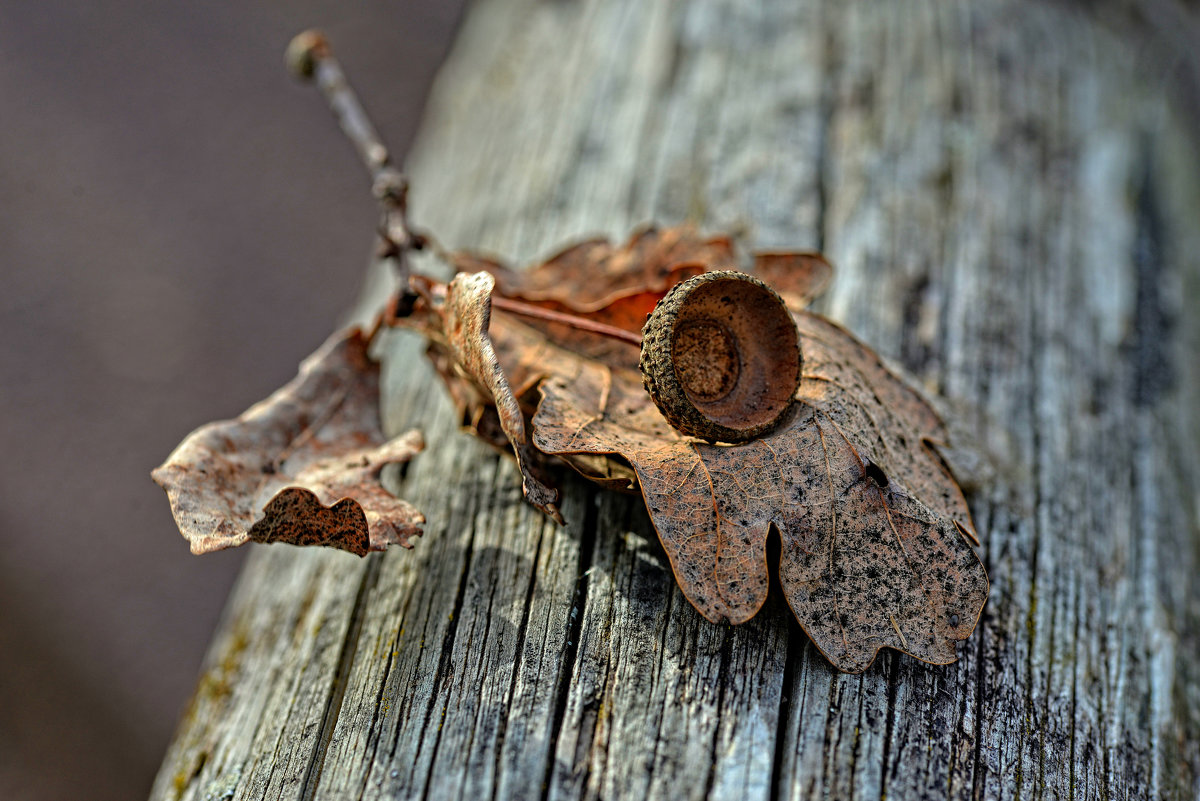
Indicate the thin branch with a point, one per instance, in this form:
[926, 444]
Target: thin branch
[310, 58]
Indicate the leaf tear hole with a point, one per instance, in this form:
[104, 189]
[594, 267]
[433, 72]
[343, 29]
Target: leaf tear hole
[876, 474]
[773, 553]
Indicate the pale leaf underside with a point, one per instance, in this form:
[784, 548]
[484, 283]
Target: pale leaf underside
[300, 467]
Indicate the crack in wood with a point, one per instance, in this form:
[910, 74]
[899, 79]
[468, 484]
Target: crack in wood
[783, 723]
[587, 545]
[444, 670]
[341, 676]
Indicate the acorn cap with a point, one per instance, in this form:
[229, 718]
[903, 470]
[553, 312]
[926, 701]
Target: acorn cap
[721, 357]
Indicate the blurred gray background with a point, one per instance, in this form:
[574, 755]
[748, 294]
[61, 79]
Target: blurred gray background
[180, 224]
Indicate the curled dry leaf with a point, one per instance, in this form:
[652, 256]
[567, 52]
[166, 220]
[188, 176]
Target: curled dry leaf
[466, 315]
[308, 457]
[874, 530]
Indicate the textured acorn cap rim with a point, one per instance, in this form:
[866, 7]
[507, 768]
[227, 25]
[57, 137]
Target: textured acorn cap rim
[664, 385]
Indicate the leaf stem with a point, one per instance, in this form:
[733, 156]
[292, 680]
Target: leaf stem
[574, 321]
[430, 289]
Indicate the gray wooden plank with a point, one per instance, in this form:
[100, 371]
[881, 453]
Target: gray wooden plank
[1009, 198]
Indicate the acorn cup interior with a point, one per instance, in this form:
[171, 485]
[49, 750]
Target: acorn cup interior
[721, 357]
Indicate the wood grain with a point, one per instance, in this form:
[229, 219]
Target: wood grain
[1010, 200]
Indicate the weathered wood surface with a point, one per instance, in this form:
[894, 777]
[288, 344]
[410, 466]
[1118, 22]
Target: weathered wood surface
[1013, 208]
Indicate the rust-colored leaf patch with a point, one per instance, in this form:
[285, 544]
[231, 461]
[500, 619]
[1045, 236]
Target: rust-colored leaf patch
[797, 277]
[301, 467]
[595, 275]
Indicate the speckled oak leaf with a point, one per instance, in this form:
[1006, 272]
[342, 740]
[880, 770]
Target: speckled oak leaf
[875, 534]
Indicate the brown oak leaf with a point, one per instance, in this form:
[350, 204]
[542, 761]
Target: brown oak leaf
[873, 530]
[594, 275]
[308, 457]
[875, 533]
[523, 347]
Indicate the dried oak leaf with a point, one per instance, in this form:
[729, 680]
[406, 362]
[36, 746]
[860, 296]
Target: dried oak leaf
[594, 279]
[460, 347]
[308, 457]
[616, 286]
[595, 276]
[874, 530]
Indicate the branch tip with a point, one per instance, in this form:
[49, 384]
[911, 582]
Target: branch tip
[303, 53]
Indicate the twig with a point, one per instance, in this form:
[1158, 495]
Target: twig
[310, 58]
